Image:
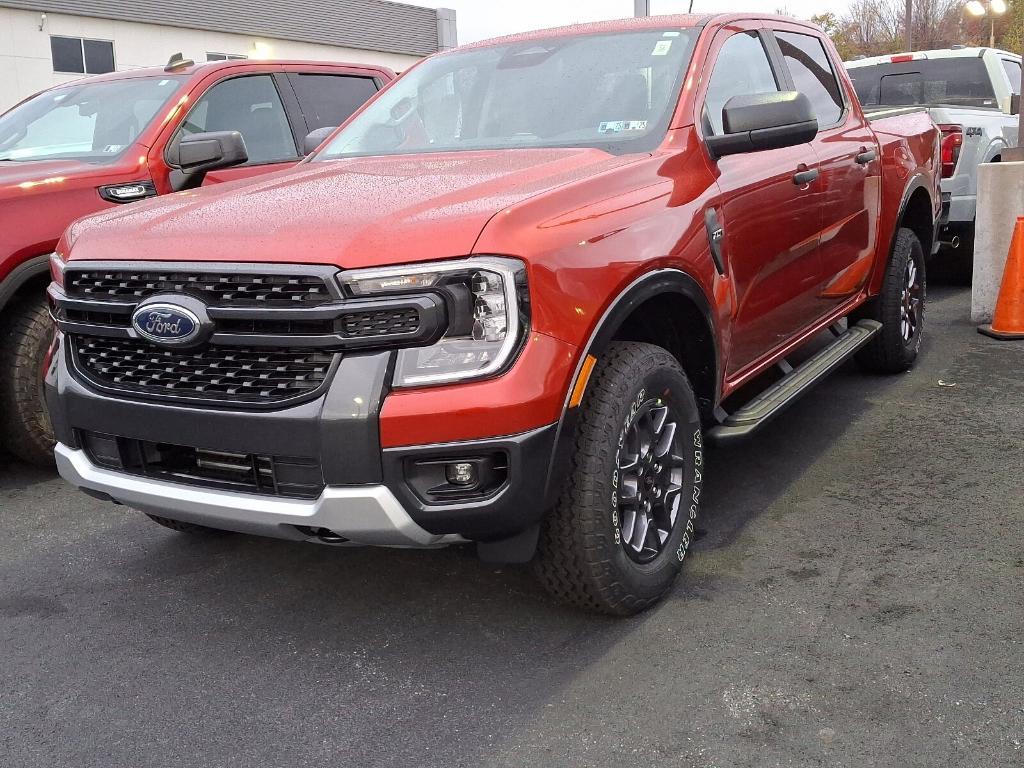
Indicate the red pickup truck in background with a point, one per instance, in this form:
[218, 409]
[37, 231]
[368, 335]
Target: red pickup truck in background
[104, 141]
[507, 303]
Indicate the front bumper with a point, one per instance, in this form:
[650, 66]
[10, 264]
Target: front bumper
[367, 493]
[368, 514]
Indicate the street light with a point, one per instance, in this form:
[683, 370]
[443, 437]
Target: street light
[990, 8]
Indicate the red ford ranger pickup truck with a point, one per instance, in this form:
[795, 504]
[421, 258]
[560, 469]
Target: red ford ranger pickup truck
[104, 141]
[509, 302]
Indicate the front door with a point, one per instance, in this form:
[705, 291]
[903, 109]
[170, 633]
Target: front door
[769, 215]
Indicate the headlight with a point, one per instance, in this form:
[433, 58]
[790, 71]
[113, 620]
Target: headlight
[488, 313]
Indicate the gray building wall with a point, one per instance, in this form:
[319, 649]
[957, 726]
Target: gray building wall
[367, 24]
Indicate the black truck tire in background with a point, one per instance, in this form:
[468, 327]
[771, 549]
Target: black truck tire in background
[899, 307]
[584, 555]
[27, 331]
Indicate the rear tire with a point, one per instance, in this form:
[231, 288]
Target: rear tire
[899, 308]
[615, 540]
[24, 419]
[192, 528]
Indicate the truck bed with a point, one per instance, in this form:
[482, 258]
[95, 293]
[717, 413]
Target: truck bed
[880, 111]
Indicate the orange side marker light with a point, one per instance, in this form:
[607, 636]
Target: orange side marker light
[581, 381]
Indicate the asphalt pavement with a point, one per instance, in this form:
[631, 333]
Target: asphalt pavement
[856, 601]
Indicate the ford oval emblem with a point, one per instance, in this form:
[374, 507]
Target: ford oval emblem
[167, 324]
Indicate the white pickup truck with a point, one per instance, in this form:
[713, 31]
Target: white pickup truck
[973, 95]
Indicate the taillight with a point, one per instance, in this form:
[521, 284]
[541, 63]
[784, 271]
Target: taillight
[952, 140]
[901, 57]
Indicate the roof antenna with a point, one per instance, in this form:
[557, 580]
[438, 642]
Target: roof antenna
[177, 61]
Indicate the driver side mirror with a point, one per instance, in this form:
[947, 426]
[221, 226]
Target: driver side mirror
[1015, 104]
[315, 138]
[754, 122]
[197, 154]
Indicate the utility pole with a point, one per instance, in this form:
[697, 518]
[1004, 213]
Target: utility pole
[908, 17]
[641, 8]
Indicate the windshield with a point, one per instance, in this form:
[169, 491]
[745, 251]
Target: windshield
[960, 81]
[615, 92]
[94, 122]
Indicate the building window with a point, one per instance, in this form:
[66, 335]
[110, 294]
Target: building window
[224, 56]
[84, 57]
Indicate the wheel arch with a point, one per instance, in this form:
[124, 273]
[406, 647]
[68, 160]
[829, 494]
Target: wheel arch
[32, 274]
[918, 215]
[661, 308]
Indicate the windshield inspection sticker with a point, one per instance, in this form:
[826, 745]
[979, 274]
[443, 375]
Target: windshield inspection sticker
[661, 48]
[621, 126]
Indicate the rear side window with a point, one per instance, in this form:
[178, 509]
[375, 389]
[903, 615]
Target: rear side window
[1012, 69]
[812, 74]
[959, 81]
[329, 100]
[742, 68]
[251, 106]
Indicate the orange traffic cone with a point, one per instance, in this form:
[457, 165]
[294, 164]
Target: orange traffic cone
[1008, 320]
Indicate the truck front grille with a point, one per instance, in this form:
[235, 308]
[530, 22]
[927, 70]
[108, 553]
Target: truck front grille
[215, 288]
[380, 322]
[224, 374]
[289, 476]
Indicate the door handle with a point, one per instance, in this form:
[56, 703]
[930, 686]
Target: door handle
[803, 178]
[866, 156]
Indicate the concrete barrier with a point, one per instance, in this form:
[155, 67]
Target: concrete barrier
[1000, 202]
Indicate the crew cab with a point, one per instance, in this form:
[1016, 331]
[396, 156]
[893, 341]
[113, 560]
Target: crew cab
[509, 302]
[973, 95]
[104, 141]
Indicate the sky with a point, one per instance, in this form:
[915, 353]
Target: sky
[480, 19]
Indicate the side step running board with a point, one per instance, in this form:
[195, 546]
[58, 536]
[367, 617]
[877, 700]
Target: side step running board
[796, 382]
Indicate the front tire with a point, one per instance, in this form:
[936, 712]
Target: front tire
[27, 335]
[615, 541]
[899, 308]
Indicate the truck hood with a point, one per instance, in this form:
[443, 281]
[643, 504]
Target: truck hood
[353, 212]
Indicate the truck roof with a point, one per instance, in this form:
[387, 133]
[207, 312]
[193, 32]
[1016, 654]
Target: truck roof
[680, 21]
[215, 66]
[939, 53]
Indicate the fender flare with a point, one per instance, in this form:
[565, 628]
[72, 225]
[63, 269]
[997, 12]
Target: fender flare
[995, 147]
[643, 288]
[22, 274]
[918, 181]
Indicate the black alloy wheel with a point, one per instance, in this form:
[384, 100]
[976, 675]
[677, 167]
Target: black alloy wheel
[650, 471]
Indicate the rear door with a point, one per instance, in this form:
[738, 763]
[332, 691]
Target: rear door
[326, 100]
[768, 215]
[849, 187]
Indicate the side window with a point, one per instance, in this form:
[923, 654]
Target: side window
[742, 68]
[251, 106]
[329, 100]
[812, 73]
[1013, 72]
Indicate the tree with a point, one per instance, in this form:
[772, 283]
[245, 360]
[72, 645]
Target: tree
[841, 32]
[877, 27]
